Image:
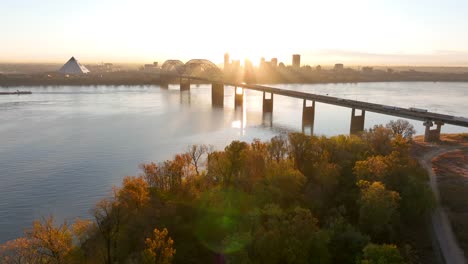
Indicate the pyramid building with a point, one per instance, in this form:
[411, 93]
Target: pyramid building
[73, 67]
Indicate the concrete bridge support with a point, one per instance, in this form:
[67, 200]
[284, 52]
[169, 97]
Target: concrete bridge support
[357, 122]
[164, 82]
[238, 97]
[184, 84]
[308, 116]
[217, 94]
[267, 119]
[432, 135]
[267, 103]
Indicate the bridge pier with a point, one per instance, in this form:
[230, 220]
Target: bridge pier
[308, 116]
[217, 94]
[163, 82]
[267, 103]
[184, 84]
[238, 96]
[357, 122]
[267, 119]
[432, 135]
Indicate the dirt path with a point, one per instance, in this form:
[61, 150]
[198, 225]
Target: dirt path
[449, 247]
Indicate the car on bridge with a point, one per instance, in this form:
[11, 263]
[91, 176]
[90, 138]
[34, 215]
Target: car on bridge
[419, 110]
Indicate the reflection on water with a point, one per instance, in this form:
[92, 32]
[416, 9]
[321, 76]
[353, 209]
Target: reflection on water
[62, 148]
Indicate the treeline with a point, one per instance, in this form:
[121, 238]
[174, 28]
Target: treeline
[293, 199]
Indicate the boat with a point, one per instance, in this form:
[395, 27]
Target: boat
[16, 92]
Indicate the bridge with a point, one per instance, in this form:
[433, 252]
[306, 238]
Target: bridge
[206, 71]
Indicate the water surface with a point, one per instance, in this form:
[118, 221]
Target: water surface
[62, 148]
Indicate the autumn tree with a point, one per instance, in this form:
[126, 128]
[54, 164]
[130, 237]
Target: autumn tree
[374, 168]
[159, 248]
[378, 209]
[134, 193]
[20, 251]
[304, 152]
[52, 243]
[379, 139]
[278, 148]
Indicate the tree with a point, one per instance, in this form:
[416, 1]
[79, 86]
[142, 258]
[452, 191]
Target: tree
[379, 139]
[278, 148]
[20, 251]
[282, 185]
[159, 248]
[378, 209]
[108, 217]
[219, 168]
[346, 242]
[304, 152]
[134, 193]
[52, 243]
[289, 237]
[196, 152]
[234, 153]
[401, 127]
[372, 169]
[381, 254]
[154, 176]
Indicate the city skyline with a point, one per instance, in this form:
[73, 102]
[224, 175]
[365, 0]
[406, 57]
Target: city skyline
[426, 33]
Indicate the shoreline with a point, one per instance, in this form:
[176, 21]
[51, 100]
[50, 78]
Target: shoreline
[42, 83]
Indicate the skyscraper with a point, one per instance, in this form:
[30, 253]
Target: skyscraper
[296, 61]
[226, 61]
[274, 62]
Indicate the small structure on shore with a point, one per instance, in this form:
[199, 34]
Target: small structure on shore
[73, 67]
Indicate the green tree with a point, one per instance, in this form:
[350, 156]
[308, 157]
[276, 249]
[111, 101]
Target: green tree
[282, 185]
[289, 237]
[378, 209]
[345, 241]
[381, 254]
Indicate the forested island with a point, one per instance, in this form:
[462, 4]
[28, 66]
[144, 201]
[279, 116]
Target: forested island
[293, 199]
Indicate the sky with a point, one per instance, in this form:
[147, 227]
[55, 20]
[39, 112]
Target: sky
[357, 32]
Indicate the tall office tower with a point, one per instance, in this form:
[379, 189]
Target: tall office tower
[296, 61]
[226, 61]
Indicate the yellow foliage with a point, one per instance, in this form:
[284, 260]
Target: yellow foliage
[159, 248]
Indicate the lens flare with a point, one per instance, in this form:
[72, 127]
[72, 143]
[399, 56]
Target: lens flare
[224, 220]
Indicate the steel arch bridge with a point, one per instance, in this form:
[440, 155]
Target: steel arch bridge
[173, 66]
[194, 67]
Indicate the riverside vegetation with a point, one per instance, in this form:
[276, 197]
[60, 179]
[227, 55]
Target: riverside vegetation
[293, 199]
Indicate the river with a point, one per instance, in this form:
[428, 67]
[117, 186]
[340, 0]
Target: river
[62, 148]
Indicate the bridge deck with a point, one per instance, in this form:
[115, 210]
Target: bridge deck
[371, 107]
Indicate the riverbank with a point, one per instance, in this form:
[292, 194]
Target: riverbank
[287, 77]
[446, 164]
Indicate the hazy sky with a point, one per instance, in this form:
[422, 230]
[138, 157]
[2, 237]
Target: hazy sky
[397, 32]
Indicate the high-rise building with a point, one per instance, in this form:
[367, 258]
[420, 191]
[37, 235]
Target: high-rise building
[339, 67]
[226, 61]
[296, 61]
[262, 63]
[274, 62]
